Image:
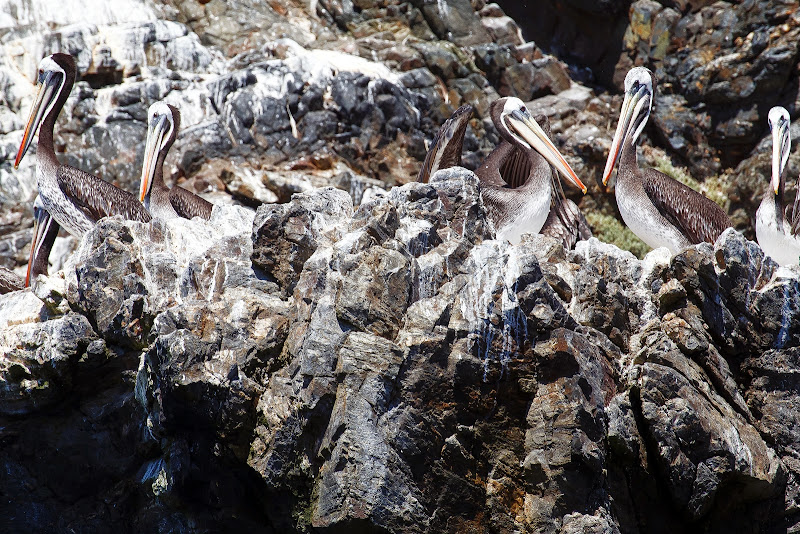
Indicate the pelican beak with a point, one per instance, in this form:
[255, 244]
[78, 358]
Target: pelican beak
[50, 84]
[527, 128]
[631, 108]
[159, 126]
[41, 227]
[780, 152]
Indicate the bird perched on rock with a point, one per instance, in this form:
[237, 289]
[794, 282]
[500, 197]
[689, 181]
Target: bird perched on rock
[517, 177]
[777, 225]
[661, 211]
[74, 198]
[162, 129]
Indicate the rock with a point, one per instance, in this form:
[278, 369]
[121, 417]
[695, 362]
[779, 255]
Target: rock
[532, 80]
[696, 482]
[502, 29]
[454, 20]
[286, 235]
[361, 352]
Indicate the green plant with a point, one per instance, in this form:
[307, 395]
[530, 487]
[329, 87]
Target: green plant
[607, 228]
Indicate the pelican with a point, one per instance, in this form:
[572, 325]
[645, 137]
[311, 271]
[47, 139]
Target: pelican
[445, 151]
[74, 198]
[161, 201]
[660, 210]
[45, 230]
[516, 178]
[778, 228]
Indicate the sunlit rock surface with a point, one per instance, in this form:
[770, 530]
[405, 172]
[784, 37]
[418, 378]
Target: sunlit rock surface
[339, 349]
[394, 368]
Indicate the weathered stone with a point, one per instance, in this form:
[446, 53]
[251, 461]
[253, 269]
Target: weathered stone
[286, 235]
[393, 367]
[455, 20]
[679, 421]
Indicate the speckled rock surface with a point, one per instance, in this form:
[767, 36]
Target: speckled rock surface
[341, 350]
[411, 374]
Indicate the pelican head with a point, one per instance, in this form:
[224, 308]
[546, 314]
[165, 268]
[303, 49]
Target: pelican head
[54, 71]
[456, 124]
[633, 117]
[779, 123]
[41, 227]
[163, 121]
[516, 125]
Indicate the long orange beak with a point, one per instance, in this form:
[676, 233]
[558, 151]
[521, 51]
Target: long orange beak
[50, 84]
[532, 133]
[158, 128]
[631, 107]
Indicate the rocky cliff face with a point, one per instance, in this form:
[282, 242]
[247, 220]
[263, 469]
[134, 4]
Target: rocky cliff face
[338, 351]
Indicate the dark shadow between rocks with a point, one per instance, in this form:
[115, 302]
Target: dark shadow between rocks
[586, 34]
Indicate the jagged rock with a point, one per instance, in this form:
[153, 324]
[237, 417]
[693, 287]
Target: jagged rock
[501, 28]
[285, 236]
[43, 348]
[370, 357]
[416, 356]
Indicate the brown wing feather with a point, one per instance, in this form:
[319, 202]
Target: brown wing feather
[189, 205]
[98, 198]
[566, 223]
[448, 142]
[516, 169]
[698, 217]
[490, 171]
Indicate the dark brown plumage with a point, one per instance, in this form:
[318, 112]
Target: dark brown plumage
[698, 217]
[661, 211]
[74, 198]
[161, 201]
[98, 198]
[445, 151]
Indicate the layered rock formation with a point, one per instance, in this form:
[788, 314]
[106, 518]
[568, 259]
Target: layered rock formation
[338, 351]
[392, 368]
